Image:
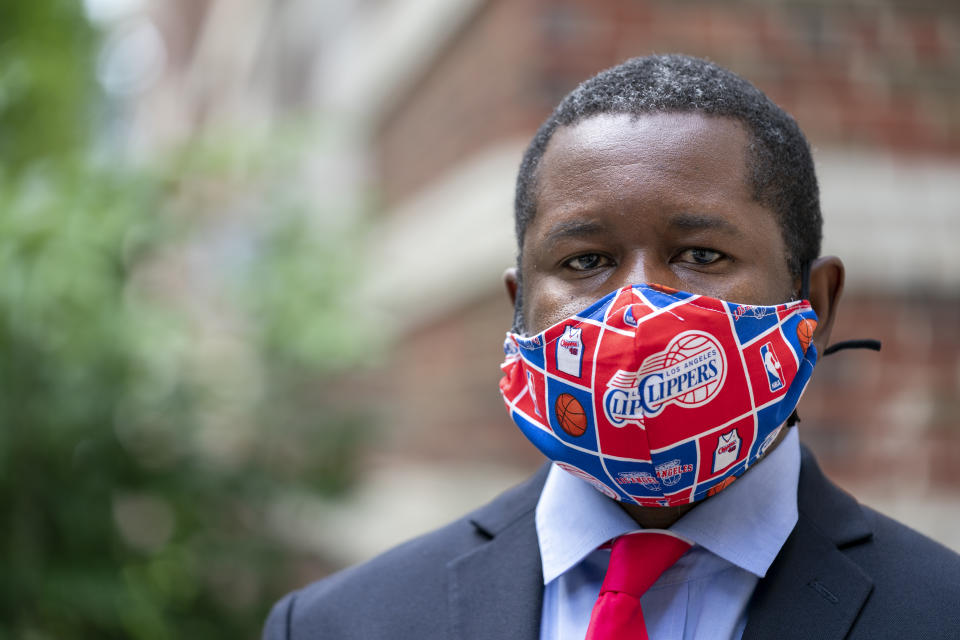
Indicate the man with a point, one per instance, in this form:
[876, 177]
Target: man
[658, 192]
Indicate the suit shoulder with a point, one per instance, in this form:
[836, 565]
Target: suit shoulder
[401, 585]
[902, 554]
[915, 586]
[890, 553]
[401, 592]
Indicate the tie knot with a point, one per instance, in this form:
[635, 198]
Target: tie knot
[638, 559]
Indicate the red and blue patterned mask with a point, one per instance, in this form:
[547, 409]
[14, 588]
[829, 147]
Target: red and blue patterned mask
[659, 397]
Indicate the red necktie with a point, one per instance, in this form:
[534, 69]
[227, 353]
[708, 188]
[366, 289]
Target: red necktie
[636, 561]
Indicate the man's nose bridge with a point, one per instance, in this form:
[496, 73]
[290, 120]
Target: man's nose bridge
[645, 267]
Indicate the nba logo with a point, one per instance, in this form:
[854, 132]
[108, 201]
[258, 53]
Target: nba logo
[628, 317]
[570, 351]
[772, 365]
[532, 390]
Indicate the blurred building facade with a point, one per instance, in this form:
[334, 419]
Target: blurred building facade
[875, 87]
[434, 102]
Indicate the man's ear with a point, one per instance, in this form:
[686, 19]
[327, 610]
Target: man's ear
[510, 280]
[826, 286]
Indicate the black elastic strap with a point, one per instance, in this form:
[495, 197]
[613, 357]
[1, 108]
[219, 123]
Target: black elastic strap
[839, 346]
[873, 345]
[805, 280]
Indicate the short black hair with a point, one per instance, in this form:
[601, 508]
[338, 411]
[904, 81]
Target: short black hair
[780, 164]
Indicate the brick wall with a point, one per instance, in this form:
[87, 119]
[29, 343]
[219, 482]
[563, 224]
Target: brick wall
[875, 74]
[891, 419]
[871, 75]
[476, 92]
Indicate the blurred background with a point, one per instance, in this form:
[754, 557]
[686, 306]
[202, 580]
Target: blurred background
[251, 309]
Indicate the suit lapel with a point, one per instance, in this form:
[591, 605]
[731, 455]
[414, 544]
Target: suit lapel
[496, 589]
[812, 589]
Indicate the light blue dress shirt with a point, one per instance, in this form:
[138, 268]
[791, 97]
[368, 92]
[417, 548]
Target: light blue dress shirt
[736, 533]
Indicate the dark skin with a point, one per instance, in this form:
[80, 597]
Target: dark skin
[663, 198]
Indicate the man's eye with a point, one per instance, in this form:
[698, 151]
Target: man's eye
[700, 256]
[586, 262]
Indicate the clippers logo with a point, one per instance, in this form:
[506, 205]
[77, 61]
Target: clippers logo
[670, 473]
[643, 478]
[742, 309]
[529, 343]
[728, 450]
[762, 449]
[570, 351]
[689, 373]
[772, 365]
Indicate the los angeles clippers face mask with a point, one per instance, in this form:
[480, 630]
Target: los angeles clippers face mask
[660, 397]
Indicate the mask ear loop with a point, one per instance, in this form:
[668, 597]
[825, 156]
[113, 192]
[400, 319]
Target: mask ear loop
[873, 345]
[805, 280]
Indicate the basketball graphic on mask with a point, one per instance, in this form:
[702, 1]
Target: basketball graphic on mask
[714, 490]
[805, 333]
[686, 347]
[570, 415]
[662, 288]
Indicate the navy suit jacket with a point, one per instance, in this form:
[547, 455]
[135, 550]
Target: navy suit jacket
[846, 571]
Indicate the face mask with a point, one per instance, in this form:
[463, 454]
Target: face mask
[659, 397]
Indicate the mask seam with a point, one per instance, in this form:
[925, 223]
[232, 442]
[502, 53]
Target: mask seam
[576, 324]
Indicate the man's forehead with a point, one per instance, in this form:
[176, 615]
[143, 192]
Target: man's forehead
[681, 154]
[563, 229]
[659, 132]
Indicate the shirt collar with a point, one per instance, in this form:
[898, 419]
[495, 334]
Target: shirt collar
[746, 524]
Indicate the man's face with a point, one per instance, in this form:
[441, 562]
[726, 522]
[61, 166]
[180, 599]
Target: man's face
[664, 198]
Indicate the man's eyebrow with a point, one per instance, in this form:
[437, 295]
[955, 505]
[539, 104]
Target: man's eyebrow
[698, 221]
[572, 229]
